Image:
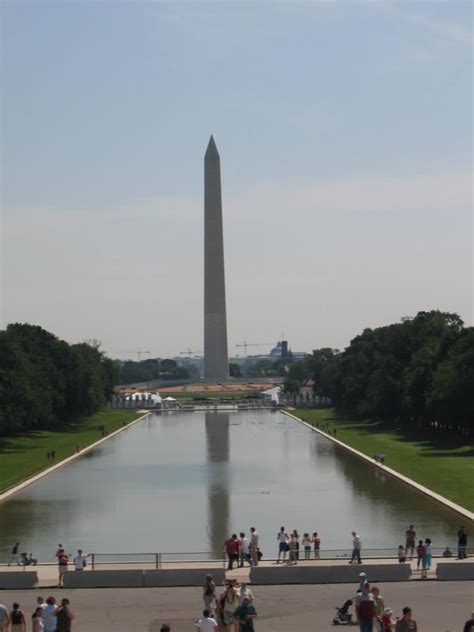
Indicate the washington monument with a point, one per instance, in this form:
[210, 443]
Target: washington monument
[216, 362]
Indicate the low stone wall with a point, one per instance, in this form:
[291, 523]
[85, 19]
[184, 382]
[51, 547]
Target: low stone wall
[182, 577]
[455, 571]
[329, 574]
[18, 580]
[104, 579]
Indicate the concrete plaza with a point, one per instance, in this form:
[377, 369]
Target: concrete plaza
[437, 606]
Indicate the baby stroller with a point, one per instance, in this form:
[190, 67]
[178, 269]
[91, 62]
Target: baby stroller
[27, 561]
[343, 616]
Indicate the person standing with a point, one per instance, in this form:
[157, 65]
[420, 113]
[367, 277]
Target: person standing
[245, 593]
[244, 550]
[356, 548]
[209, 594]
[15, 555]
[406, 623]
[37, 622]
[379, 601]
[17, 619]
[64, 617]
[420, 552]
[293, 548]
[207, 623]
[365, 609]
[402, 554]
[232, 548]
[50, 621]
[297, 538]
[254, 546]
[63, 561]
[228, 602]
[245, 614]
[427, 557]
[410, 541]
[462, 543]
[316, 545]
[282, 539]
[4, 618]
[469, 625]
[306, 544]
[80, 561]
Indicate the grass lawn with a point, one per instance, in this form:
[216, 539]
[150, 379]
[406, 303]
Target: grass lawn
[441, 462]
[21, 457]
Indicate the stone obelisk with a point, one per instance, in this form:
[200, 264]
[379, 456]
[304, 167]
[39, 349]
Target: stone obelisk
[216, 362]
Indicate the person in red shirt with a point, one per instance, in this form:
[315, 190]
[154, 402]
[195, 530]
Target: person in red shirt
[365, 609]
[232, 549]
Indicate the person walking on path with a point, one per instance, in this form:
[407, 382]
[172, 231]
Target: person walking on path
[306, 544]
[406, 623]
[209, 594]
[282, 539]
[17, 619]
[4, 618]
[245, 615]
[410, 541]
[365, 609]
[207, 623]
[232, 548]
[462, 544]
[64, 617]
[316, 545]
[15, 555]
[356, 548]
[254, 546]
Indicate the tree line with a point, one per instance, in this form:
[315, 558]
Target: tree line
[46, 383]
[418, 372]
[131, 372]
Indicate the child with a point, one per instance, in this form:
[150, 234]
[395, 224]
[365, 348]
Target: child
[387, 622]
[402, 554]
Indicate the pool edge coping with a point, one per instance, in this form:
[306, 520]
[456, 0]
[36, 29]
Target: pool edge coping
[36, 477]
[401, 477]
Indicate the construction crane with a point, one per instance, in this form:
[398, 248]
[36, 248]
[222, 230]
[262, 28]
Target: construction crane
[189, 351]
[246, 344]
[139, 353]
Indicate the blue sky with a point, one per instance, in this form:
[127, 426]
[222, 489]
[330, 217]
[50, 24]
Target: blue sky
[345, 134]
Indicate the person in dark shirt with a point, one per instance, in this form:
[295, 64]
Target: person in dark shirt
[469, 625]
[462, 543]
[64, 617]
[245, 614]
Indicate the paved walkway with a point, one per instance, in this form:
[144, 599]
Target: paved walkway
[437, 606]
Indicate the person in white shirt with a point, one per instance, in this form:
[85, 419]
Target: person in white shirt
[207, 623]
[244, 549]
[356, 548]
[80, 561]
[4, 618]
[253, 546]
[245, 593]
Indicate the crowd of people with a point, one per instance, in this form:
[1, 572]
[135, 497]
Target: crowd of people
[47, 616]
[232, 610]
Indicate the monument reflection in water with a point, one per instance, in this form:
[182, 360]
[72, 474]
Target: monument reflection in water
[217, 437]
